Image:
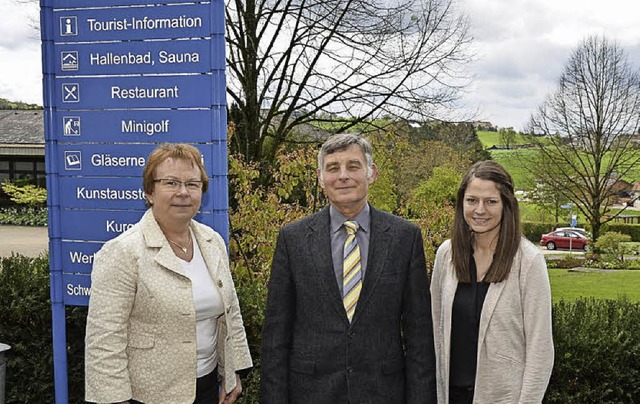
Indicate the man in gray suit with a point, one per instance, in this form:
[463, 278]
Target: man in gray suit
[348, 316]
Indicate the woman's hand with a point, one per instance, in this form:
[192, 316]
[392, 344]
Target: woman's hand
[233, 395]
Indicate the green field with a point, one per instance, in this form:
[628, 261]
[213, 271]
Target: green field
[567, 285]
[514, 160]
[488, 139]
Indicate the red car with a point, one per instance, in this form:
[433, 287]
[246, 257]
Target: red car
[564, 239]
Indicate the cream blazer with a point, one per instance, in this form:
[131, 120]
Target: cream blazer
[515, 342]
[141, 332]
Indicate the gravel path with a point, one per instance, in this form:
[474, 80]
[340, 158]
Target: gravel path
[25, 240]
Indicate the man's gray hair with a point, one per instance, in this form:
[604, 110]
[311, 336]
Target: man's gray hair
[342, 141]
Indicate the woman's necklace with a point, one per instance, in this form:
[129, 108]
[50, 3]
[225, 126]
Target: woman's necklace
[184, 249]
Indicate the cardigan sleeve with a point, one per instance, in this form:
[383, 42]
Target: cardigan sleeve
[536, 307]
[113, 289]
[437, 280]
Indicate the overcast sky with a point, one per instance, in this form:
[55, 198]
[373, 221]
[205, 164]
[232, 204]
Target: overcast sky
[522, 46]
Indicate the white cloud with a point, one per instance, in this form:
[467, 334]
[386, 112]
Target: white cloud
[20, 61]
[522, 46]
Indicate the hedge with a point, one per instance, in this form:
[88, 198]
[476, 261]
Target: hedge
[596, 342]
[534, 230]
[632, 230]
[597, 345]
[25, 325]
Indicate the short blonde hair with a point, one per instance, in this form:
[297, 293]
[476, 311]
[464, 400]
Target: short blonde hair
[181, 151]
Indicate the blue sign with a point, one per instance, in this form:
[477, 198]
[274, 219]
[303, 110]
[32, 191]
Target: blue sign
[574, 221]
[107, 193]
[109, 3]
[95, 225]
[139, 57]
[103, 225]
[120, 77]
[186, 91]
[136, 23]
[101, 193]
[114, 159]
[148, 126]
[76, 289]
[77, 256]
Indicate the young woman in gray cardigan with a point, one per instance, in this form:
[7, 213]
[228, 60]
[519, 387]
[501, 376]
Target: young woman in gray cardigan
[491, 299]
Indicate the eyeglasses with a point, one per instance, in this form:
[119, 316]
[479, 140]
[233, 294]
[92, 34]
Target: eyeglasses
[169, 184]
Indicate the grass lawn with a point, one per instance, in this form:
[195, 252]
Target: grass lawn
[611, 285]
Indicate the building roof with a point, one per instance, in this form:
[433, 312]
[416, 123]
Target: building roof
[22, 132]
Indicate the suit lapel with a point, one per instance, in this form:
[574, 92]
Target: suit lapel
[155, 239]
[379, 243]
[318, 241]
[493, 295]
[489, 306]
[449, 287]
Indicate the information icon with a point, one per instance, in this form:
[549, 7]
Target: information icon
[69, 26]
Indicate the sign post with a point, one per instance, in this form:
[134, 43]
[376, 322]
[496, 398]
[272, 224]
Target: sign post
[119, 78]
[572, 223]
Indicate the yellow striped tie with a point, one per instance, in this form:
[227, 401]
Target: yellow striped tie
[351, 270]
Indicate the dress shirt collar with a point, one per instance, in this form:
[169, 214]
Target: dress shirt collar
[363, 218]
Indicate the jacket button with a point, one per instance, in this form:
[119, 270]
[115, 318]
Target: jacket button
[219, 283]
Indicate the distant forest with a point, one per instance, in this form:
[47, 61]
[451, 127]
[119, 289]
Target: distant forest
[6, 104]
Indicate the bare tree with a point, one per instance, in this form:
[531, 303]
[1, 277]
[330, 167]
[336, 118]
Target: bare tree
[587, 123]
[292, 62]
[507, 137]
[544, 187]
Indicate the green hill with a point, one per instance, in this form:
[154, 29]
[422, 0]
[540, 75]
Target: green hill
[6, 104]
[513, 162]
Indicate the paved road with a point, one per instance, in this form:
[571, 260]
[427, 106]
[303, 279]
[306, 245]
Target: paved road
[25, 240]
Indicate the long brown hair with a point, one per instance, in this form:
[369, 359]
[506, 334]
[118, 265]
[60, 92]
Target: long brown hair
[509, 235]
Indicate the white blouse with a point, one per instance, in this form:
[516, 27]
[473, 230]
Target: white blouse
[208, 305]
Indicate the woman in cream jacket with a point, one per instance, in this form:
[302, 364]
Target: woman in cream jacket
[164, 325]
[491, 300]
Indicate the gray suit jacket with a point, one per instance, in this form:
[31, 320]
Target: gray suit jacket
[310, 351]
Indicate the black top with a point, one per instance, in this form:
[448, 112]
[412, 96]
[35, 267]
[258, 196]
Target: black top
[465, 322]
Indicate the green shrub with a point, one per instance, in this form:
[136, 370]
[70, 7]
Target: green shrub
[534, 230]
[612, 244]
[552, 264]
[568, 262]
[252, 297]
[632, 230]
[25, 324]
[24, 215]
[597, 352]
[26, 194]
[633, 264]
